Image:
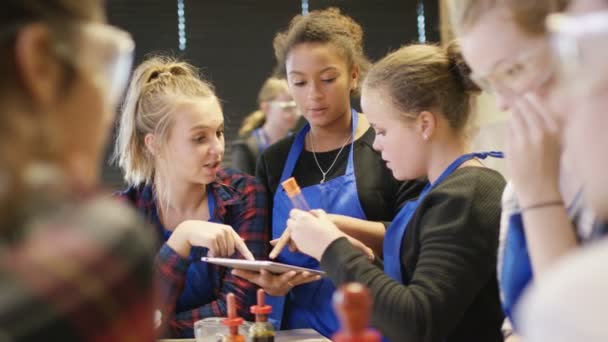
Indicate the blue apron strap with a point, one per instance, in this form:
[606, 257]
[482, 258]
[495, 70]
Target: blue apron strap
[493, 154]
[453, 166]
[464, 158]
[294, 153]
[211, 204]
[350, 166]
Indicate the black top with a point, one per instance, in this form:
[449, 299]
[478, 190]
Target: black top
[448, 261]
[381, 196]
[244, 155]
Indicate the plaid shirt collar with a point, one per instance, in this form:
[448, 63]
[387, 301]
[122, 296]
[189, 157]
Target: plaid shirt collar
[221, 189]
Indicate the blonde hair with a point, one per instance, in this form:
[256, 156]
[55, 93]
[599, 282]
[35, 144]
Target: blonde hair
[427, 77]
[528, 15]
[271, 89]
[158, 86]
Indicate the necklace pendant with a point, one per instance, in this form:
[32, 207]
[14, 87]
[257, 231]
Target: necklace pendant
[322, 180]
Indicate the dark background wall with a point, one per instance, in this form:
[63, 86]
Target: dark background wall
[231, 40]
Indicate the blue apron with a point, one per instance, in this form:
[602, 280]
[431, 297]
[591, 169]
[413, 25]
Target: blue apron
[397, 229]
[309, 305]
[516, 268]
[395, 233]
[198, 289]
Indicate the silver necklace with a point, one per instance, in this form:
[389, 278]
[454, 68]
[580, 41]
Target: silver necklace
[314, 155]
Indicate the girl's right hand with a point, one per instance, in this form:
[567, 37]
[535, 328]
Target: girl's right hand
[358, 244]
[220, 239]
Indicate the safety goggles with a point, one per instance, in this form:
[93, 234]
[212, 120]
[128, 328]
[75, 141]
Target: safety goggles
[527, 71]
[105, 53]
[284, 105]
[580, 45]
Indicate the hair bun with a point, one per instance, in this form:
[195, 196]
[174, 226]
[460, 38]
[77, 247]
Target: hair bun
[460, 68]
[169, 70]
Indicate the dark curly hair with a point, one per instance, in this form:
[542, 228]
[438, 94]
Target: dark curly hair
[325, 26]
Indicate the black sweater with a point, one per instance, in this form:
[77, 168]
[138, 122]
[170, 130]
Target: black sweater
[381, 196]
[245, 153]
[448, 261]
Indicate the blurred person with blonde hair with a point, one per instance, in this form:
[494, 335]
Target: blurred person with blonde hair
[545, 215]
[569, 302]
[276, 117]
[75, 266]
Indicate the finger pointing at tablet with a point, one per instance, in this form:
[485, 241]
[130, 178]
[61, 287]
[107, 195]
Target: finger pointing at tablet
[220, 239]
[240, 245]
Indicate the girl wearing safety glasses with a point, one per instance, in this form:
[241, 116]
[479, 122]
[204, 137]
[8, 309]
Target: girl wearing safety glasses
[569, 302]
[544, 214]
[276, 117]
[75, 266]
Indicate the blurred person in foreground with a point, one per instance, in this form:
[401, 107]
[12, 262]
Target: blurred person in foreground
[568, 302]
[75, 266]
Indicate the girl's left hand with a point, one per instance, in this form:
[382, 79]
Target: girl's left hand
[312, 232]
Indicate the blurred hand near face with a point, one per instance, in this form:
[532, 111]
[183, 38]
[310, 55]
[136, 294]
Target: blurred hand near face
[533, 152]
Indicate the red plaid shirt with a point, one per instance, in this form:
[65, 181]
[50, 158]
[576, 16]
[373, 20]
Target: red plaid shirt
[241, 203]
[78, 269]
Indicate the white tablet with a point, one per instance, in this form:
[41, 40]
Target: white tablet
[258, 265]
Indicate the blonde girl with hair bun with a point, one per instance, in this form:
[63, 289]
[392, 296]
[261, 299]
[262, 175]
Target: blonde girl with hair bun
[170, 146]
